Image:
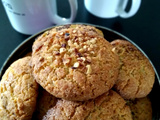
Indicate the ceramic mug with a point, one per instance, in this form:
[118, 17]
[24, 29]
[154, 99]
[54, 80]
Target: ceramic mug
[111, 8]
[31, 16]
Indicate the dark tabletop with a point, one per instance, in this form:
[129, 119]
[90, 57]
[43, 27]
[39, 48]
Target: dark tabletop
[143, 28]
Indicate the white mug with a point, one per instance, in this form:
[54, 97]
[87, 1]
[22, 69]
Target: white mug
[31, 16]
[111, 8]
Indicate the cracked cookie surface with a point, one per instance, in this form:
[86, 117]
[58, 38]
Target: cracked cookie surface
[109, 106]
[18, 91]
[75, 63]
[136, 76]
[141, 108]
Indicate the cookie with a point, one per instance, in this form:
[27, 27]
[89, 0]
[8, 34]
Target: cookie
[18, 91]
[141, 108]
[109, 106]
[136, 76]
[45, 101]
[75, 63]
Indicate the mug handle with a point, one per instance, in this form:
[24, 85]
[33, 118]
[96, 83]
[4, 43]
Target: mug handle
[133, 10]
[60, 20]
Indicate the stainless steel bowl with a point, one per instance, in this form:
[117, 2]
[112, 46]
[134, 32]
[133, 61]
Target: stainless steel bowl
[110, 35]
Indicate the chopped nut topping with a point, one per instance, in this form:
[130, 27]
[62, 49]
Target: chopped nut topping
[91, 46]
[92, 52]
[85, 54]
[50, 58]
[86, 38]
[91, 34]
[56, 62]
[56, 46]
[81, 59]
[89, 49]
[61, 33]
[76, 44]
[66, 37]
[71, 50]
[88, 60]
[57, 53]
[93, 40]
[80, 39]
[85, 47]
[74, 31]
[66, 61]
[69, 42]
[76, 64]
[79, 54]
[80, 35]
[62, 50]
[63, 45]
[89, 69]
[81, 50]
[75, 38]
[113, 49]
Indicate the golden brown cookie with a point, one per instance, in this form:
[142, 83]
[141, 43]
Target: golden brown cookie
[18, 91]
[141, 108]
[109, 106]
[136, 75]
[45, 101]
[74, 63]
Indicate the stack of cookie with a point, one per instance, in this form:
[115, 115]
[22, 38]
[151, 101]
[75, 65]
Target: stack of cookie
[80, 76]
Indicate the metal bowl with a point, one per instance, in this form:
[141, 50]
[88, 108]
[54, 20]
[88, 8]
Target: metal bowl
[26, 47]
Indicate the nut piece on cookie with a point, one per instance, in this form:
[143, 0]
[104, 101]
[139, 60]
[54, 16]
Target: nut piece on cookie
[18, 91]
[108, 106]
[82, 67]
[77, 26]
[136, 76]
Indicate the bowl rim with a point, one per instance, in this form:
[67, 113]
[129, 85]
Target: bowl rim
[32, 38]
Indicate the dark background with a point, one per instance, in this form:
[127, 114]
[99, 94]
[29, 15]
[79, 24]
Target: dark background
[143, 28]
